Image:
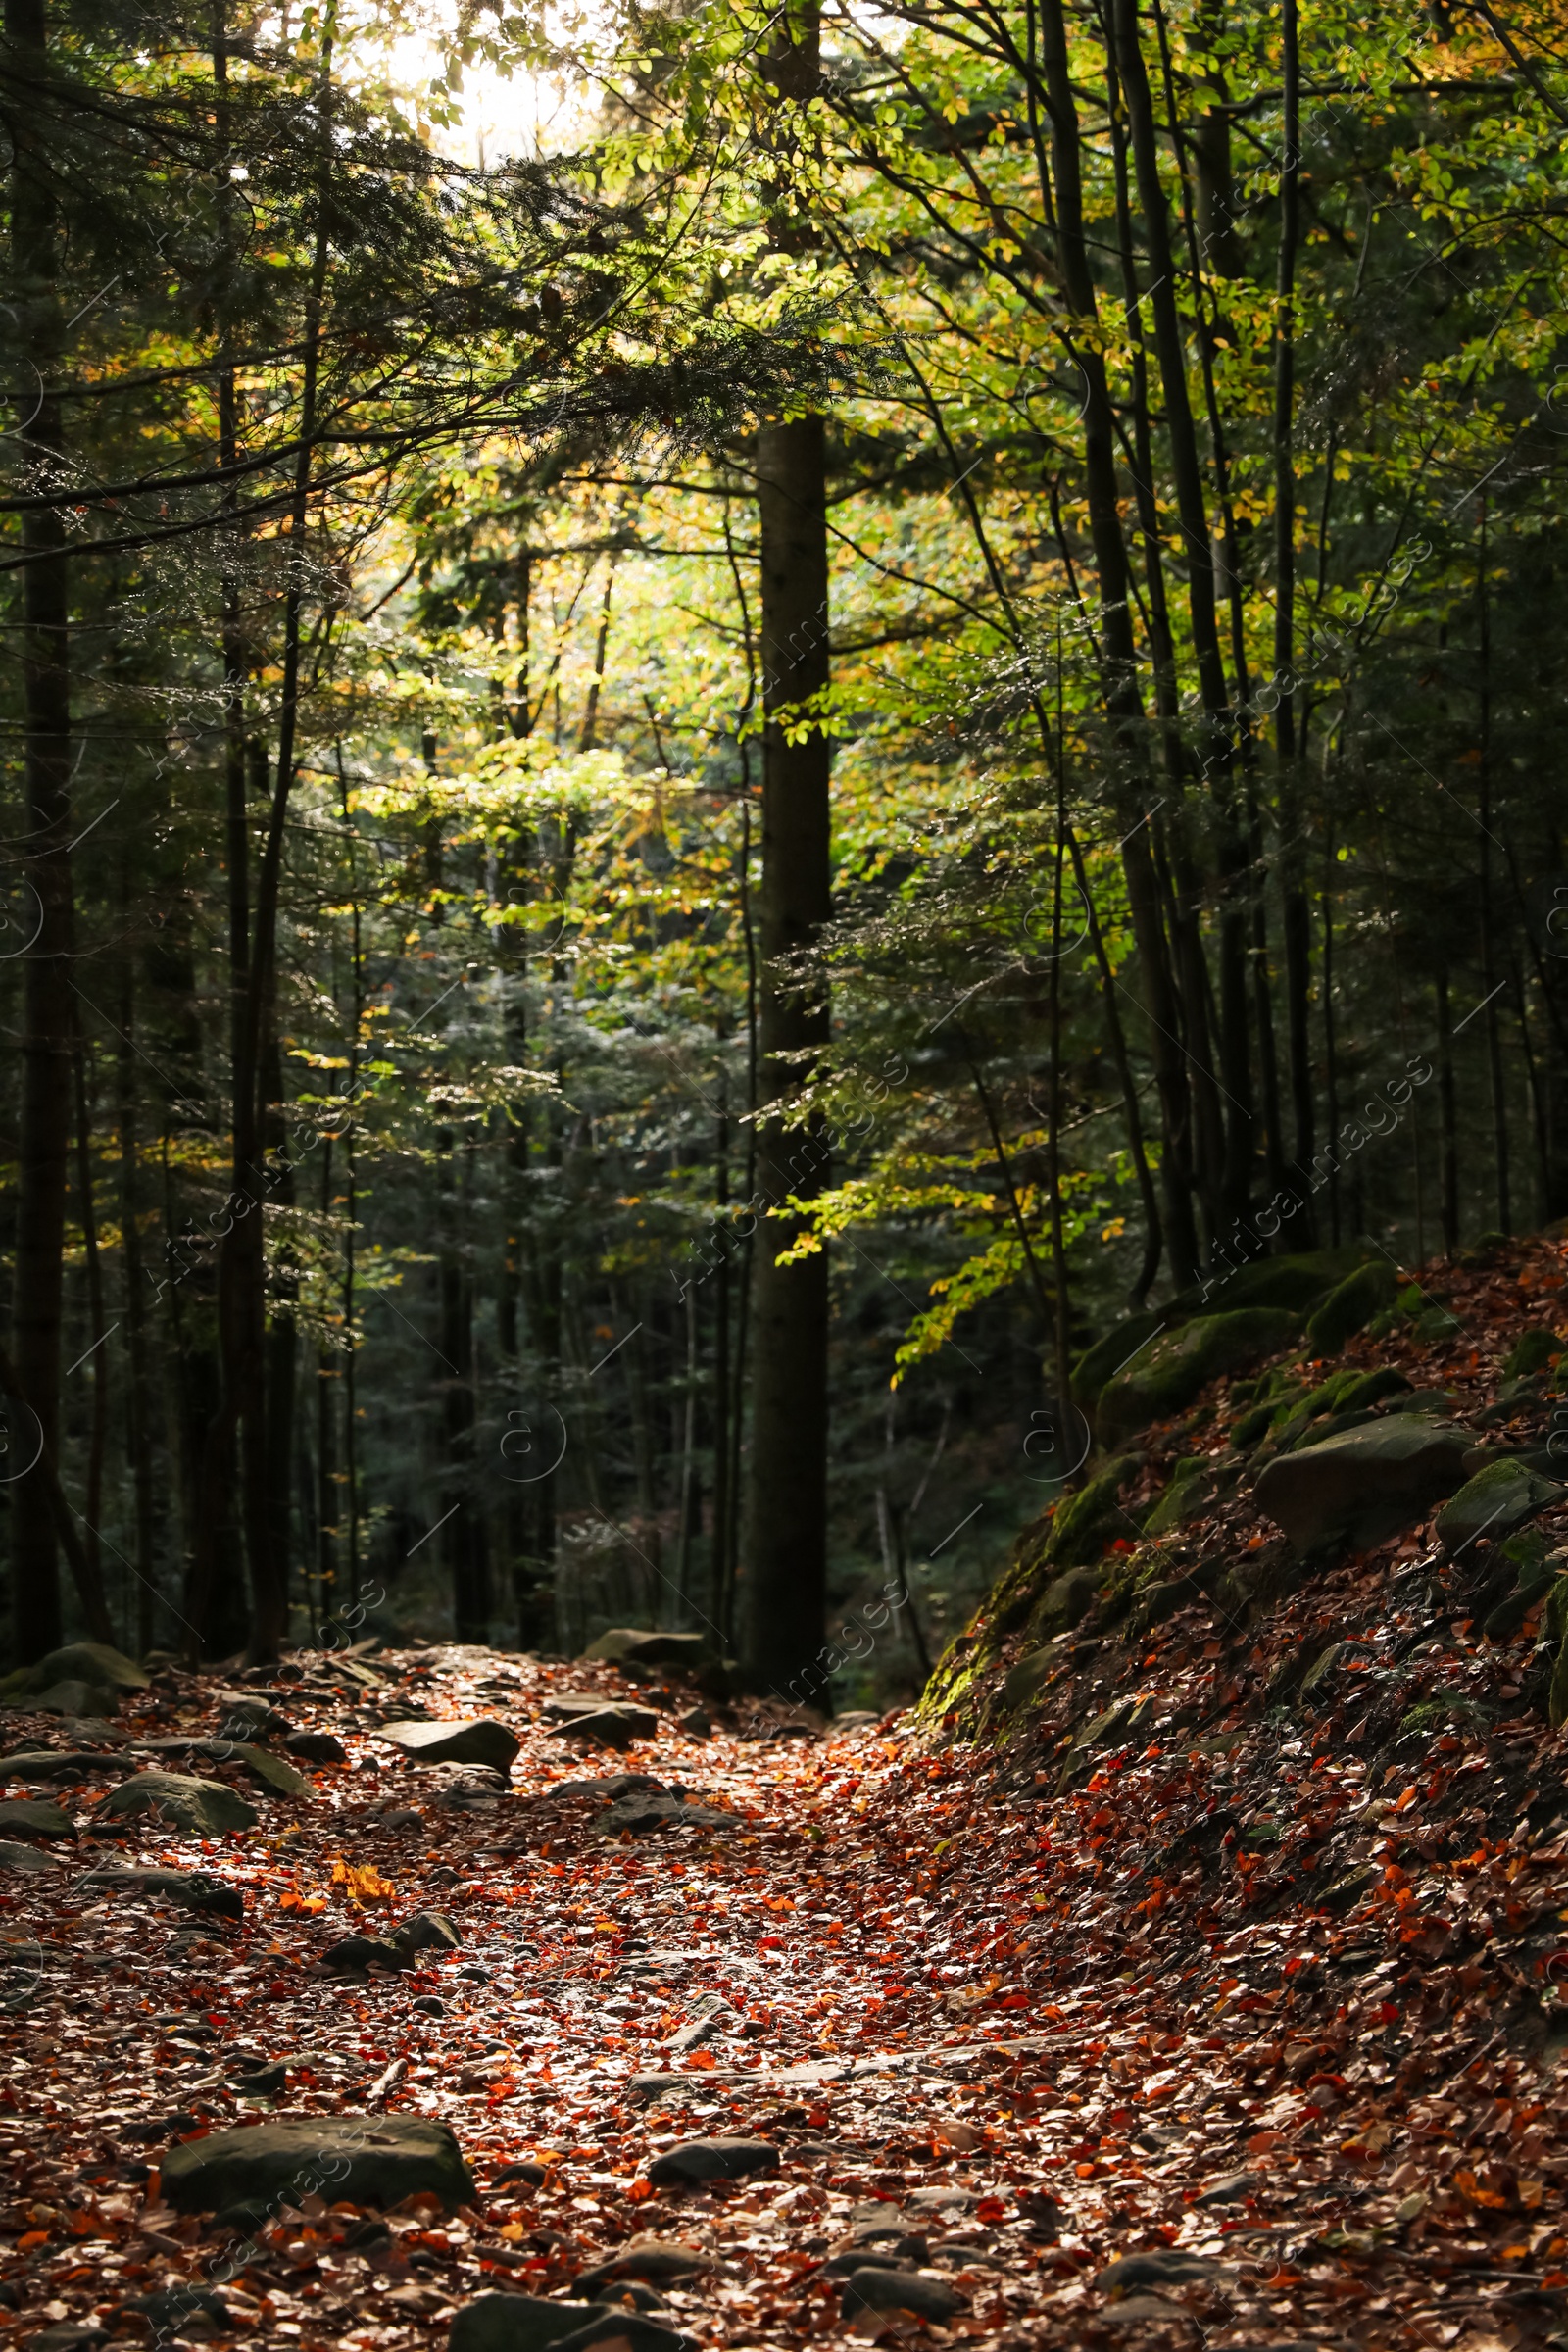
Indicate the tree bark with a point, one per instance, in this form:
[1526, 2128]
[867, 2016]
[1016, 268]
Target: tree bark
[785, 1565]
[1118, 648]
[44, 648]
[785, 1569]
[98, 1439]
[138, 1437]
[1203, 611]
[1287, 735]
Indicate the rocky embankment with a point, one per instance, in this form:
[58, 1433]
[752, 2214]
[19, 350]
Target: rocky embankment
[1187, 1965]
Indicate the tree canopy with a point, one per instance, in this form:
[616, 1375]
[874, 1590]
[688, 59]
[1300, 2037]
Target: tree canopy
[684, 805]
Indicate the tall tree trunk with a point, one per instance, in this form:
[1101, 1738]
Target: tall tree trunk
[1297, 928]
[719, 1549]
[270, 1609]
[138, 1428]
[1331, 1058]
[242, 1305]
[1489, 981]
[98, 1438]
[1117, 646]
[1203, 612]
[785, 1567]
[1450, 1151]
[463, 1534]
[44, 648]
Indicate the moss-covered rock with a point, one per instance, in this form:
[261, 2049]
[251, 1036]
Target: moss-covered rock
[1029, 1677]
[92, 1662]
[1064, 1603]
[1531, 1351]
[1298, 1283]
[1191, 1488]
[1526, 1574]
[1350, 1306]
[1364, 1485]
[1084, 1522]
[1168, 1374]
[1100, 1363]
[1498, 1498]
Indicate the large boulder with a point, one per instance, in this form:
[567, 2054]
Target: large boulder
[626, 1644]
[92, 1662]
[1168, 1374]
[72, 1698]
[608, 1721]
[1363, 1485]
[31, 1817]
[59, 1763]
[1105, 1359]
[190, 1804]
[479, 1741]
[1298, 1283]
[368, 2159]
[269, 1770]
[1501, 1495]
[1350, 1306]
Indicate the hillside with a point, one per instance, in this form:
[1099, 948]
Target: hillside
[1189, 1962]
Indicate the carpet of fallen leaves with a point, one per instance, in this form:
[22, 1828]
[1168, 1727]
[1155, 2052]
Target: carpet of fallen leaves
[1274, 1990]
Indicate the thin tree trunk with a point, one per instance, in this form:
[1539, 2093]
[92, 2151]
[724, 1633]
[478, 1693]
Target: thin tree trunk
[1287, 731]
[1061, 1334]
[691, 1485]
[43, 645]
[281, 1380]
[99, 1436]
[138, 1432]
[1449, 1122]
[44, 1477]
[720, 1560]
[589, 735]
[1488, 914]
[1154, 1231]
[1330, 1043]
[243, 1265]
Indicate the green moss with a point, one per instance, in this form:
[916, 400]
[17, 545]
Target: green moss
[1438, 1714]
[1187, 1492]
[1350, 1306]
[1084, 1522]
[1105, 1357]
[1064, 1603]
[1168, 1375]
[1251, 1427]
[1499, 1497]
[1531, 1351]
[1297, 1283]
[1555, 1616]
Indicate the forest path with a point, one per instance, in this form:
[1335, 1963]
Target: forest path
[985, 2065]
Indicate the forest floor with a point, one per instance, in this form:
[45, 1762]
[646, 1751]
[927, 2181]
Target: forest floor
[1245, 2032]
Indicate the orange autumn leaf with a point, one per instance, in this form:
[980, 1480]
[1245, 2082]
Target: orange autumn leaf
[361, 1881]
